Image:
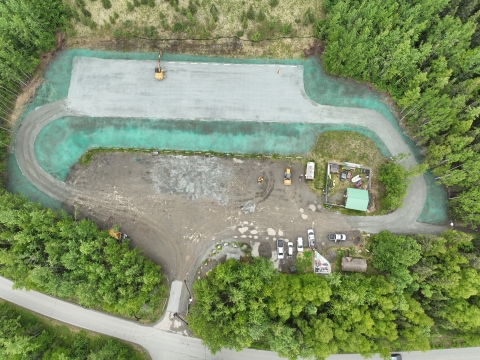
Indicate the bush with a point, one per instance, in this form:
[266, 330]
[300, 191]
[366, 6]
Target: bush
[261, 15]
[286, 29]
[106, 4]
[255, 37]
[240, 33]
[130, 6]
[80, 3]
[112, 19]
[273, 3]
[150, 32]
[136, 3]
[178, 27]
[86, 13]
[250, 13]
[395, 179]
[192, 7]
[151, 3]
[308, 18]
[214, 12]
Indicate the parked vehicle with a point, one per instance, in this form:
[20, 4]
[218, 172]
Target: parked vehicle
[287, 179]
[310, 171]
[299, 243]
[280, 249]
[311, 238]
[337, 237]
[290, 248]
[395, 357]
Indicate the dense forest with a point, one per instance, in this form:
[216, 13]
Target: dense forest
[26, 31]
[27, 336]
[427, 297]
[426, 54]
[48, 251]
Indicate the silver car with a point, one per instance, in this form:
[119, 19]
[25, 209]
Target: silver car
[281, 254]
[311, 238]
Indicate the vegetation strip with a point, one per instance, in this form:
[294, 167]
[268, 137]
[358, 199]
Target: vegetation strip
[28, 336]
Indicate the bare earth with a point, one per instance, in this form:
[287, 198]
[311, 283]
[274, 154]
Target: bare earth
[176, 208]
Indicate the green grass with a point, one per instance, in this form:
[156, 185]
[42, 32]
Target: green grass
[341, 146]
[195, 19]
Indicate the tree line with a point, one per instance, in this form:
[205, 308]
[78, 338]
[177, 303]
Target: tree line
[426, 54]
[24, 335]
[48, 251]
[422, 293]
[26, 31]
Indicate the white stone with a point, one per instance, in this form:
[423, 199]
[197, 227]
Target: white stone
[253, 232]
[280, 233]
[304, 216]
[243, 229]
[271, 232]
[301, 210]
[255, 237]
[312, 207]
[243, 236]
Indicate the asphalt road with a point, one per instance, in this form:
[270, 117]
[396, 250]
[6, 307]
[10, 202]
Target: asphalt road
[123, 88]
[163, 345]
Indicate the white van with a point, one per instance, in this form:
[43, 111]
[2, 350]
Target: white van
[290, 248]
[299, 243]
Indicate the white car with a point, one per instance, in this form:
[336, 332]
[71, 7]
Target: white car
[299, 244]
[280, 249]
[311, 238]
[290, 248]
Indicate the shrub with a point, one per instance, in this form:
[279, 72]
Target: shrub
[177, 27]
[150, 32]
[308, 18]
[130, 6]
[151, 3]
[395, 179]
[286, 29]
[261, 15]
[144, 2]
[240, 33]
[86, 13]
[192, 7]
[190, 18]
[106, 4]
[136, 3]
[80, 3]
[112, 19]
[255, 37]
[250, 13]
[214, 12]
[273, 3]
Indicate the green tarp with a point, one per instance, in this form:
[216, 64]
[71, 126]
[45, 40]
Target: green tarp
[357, 199]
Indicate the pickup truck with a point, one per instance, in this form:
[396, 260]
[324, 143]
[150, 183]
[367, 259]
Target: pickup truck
[337, 237]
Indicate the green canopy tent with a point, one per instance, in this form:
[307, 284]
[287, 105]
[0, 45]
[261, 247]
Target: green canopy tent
[357, 199]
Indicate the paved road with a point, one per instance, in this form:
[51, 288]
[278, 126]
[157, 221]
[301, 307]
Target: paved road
[164, 345]
[125, 88]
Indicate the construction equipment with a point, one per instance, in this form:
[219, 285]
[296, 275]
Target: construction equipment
[159, 72]
[115, 234]
[287, 179]
[118, 235]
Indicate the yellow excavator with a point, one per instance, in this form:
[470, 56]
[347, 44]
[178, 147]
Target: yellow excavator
[159, 72]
